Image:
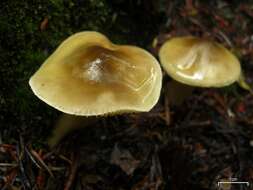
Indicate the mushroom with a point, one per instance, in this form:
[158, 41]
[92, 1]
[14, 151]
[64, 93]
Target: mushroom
[88, 75]
[196, 62]
[199, 62]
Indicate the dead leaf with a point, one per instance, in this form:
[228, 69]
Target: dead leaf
[124, 159]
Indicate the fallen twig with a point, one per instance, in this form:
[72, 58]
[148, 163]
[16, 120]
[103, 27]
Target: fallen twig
[72, 173]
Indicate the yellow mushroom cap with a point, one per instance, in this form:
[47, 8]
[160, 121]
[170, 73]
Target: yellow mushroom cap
[199, 62]
[89, 75]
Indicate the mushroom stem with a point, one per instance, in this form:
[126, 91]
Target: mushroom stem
[243, 84]
[178, 92]
[67, 123]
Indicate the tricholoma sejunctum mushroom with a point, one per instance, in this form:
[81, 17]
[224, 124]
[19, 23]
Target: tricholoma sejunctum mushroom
[199, 62]
[89, 75]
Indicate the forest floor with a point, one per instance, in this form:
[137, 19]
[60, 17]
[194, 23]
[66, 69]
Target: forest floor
[206, 139]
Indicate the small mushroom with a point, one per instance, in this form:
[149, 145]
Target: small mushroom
[196, 62]
[199, 62]
[88, 75]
